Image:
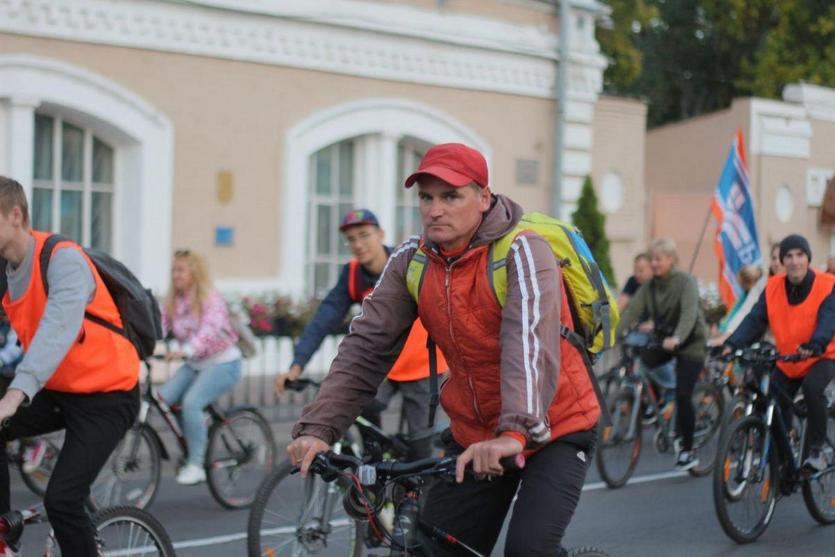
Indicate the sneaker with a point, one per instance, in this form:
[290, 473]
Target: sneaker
[33, 455]
[815, 461]
[650, 416]
[191, 474]
[686, 460]
[10, 551]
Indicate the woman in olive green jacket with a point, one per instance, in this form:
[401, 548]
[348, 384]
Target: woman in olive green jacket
[671, 299]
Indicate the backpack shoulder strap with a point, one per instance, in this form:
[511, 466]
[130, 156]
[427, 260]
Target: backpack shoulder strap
[353, 279]
[434, 397]
[497, 263]
[46, 255]
[416, 272]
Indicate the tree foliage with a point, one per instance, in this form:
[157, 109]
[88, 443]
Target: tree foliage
[696, 56]
[592, 223]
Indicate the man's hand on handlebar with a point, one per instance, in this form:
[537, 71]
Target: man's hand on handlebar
[809, 350]
[282, 378]
[486, 455]
[303, 450]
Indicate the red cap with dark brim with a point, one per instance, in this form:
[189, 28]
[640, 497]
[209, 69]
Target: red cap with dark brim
[454, 163]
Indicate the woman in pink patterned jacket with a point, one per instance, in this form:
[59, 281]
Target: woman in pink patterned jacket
[196, 315]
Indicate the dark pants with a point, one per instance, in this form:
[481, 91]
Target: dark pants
[94, 425]
[551, 482]
[687, 373]
[813, 385]
[415, 412]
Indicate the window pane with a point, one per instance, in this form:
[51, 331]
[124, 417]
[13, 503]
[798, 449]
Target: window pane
[102, 221]
[323, 171]
[324, 222]
[44, 126]
[102, 162]
[72, 160]
[321, 279]
[42, 209]
[346, 168]
[71, 214]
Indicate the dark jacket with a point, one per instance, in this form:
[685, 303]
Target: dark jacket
[330, 314]
[755, 324]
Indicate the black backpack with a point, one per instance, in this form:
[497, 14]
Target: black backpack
[137, 306]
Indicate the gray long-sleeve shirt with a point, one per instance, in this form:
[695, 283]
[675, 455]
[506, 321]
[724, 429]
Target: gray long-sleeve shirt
[71, 288]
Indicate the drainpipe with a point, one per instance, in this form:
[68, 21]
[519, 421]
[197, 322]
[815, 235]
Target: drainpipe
[560, 98]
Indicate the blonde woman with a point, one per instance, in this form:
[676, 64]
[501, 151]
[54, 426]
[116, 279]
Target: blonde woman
[196, 315]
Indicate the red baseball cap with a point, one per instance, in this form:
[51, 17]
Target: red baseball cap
[454, 163]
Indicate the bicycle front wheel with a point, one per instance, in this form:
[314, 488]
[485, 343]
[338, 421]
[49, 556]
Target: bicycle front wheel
[300, 517]
[745, 481]
[709, 406]
[240, 455]
[132, 473]
[819, 489]
[619, 446]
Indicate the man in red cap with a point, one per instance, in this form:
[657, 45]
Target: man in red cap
[410, 374]
[514, 383]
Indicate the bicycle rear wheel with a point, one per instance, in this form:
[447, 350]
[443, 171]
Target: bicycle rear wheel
[300, 517]
[240, 455]
[619, 446]
[709, 408]
[745, 481]
[132, 473]
[819, 490]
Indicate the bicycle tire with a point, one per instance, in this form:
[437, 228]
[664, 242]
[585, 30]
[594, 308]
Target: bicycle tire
[109, 523]
[708, 424]
[621, 410]
[38, 479]
[300, 529]
[114, 487]
[725, 493]
[233, 477]
[587, 551]
[823, 510]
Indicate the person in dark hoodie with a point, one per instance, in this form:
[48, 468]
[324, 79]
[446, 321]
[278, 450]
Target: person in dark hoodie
[799, 307]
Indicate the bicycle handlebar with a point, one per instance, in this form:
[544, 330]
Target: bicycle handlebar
[300, 384]
[330, 464]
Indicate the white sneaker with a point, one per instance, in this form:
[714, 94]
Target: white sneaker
[191, 474]
[9, 552]
[33, 455]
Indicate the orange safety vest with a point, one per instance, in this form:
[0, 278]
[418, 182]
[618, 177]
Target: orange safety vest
[795, 325]
[413, 362]
[99, 360]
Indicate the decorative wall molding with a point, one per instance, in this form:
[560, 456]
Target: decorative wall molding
[391, 42]
[780, 129]
[818, 101]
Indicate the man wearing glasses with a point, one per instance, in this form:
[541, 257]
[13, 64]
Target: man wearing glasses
[410, 373]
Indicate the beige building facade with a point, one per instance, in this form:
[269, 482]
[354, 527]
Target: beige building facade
[790, 160]
[244, 130]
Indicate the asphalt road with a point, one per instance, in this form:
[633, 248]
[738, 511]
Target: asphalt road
[661, 513]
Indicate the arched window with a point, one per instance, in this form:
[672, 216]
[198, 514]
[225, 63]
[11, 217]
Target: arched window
[73, 182]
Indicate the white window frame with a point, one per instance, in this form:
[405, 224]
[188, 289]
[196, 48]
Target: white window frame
[86, 186]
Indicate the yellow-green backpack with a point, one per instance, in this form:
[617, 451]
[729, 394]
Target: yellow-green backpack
[592, 303]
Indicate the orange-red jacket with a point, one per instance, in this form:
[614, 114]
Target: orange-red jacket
[795, 325]
[99, 360]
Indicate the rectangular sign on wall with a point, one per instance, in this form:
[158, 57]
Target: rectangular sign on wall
[224, 236]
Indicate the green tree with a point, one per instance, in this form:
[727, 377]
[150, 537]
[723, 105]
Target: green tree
[592, 223]
[616, 40]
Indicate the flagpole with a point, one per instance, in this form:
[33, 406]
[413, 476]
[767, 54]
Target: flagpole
[699, 245]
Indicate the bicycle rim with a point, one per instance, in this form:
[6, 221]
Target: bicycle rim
[819, 490]
[132, 473]
[240, 455]
[620, 445]
[296, 517]
[709, 409]
[744, 487]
